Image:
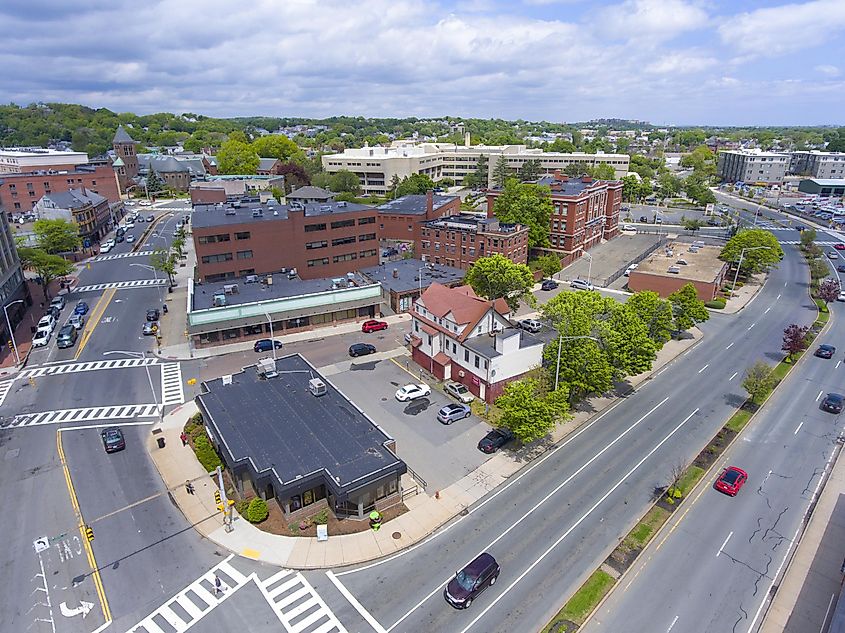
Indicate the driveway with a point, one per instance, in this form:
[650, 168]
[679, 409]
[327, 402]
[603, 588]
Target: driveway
[441, 454]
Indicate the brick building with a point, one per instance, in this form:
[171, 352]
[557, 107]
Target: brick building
[88, 210]
[22, 160]
[401, 219]
[459, 240]
[126, 163]
[678, 264]
[250, 237]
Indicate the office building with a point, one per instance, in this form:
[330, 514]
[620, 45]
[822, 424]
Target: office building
[752, 166]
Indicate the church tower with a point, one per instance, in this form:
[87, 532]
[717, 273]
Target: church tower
[126, 165]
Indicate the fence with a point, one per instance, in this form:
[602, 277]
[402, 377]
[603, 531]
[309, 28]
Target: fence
[609, 280]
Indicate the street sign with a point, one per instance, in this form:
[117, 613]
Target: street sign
[86, 243]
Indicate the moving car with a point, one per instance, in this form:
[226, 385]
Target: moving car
[130, 239]
[530, 325]
[105, 247]
[580, 284]
[731, 480]
[80, 308]
[453, 411]
[832, 255]
[373, 326]
[118, 238]
[549, 284]
[145, 203]
[494, 440]
[832, 403]
[825, 351]
[841, 296]
[361, 349]
[459, 391]
[839, 246]
[151, 218]
[42, 337]
[471, 581]
[153, 314]
[66, 337]
[150, 328]
[265, 345]
[47, 322]
[58, 302]
[77, 321]
[113, 439]
[412, 392]
[840, 268]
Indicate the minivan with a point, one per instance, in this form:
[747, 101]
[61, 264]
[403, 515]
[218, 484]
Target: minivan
[471, 581]
[67, 336]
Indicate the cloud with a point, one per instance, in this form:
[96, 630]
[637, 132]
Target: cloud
[828, 69]
[784, 29]
[681, 62]
[650, 19]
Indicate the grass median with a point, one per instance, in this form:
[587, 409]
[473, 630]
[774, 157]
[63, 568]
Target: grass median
[583, 602]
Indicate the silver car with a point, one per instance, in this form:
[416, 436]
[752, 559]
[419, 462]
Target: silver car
[452, 412]
[459, 391]
[77, 321]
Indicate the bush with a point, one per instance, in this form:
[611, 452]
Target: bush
[717, 304]
[257, 510]
[242, 506]
[205, 453]
[321, 518]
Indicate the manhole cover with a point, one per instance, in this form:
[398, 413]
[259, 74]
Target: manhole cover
[397, 535]
[383, 399]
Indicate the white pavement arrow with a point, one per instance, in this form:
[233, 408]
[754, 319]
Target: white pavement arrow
[83, 608]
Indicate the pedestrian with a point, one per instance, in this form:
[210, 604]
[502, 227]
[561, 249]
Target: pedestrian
[184, 438]
[218, 586]
[375, 520]
[189, 487]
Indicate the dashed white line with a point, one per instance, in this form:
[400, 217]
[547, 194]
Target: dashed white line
[729, 346]
[838, 363]
[703, 368]
[733, 376]
[766, 311]
[673, 624]
[784, 283]
[819, 396]
[778, 297]
[727, 538]
[798, 428]
[751, 326]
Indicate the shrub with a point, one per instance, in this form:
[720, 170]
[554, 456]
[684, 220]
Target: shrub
[206, 454]
[257, 510]
[242, 506]
[717, 304]
[321, 518]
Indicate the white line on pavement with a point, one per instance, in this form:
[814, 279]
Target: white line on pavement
[729, 346]
[767, 310]
[703, 368]
[65, 429]
[784, 283]
[581, 519]
[357, 605]
[673, 624]
[733, 376]
[838, 363]
[798, 428]
[778, 297]
[827, 613]
[820, 395]
[751, 326]
[728, 538]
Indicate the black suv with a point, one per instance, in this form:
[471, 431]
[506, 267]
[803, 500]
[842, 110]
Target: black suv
[113, 439]
[153, 314]
[549, 284]
[832, 403]
[825, 351]
[361, 349]
[471, 581]
[494, 440]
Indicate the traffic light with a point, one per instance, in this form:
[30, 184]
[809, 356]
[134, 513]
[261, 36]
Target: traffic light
[218, 500]
[89, 533]
[9, 343]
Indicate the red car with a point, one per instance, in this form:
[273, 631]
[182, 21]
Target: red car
[731, 480]
[839, 246]
[373, 326]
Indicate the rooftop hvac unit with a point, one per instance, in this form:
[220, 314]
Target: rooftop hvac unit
[230, 289]
[267, 368]
[227, 379]
[219, 300]
[257, 213]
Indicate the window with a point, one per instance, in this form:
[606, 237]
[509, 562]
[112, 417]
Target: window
[242, 235]
[312, 245]
[368, 253]
[348, 257]
[310, 228]
[342, 223]
[366, 237]
[215, 259]
[477, 364]
[466, 355]
[244, 254]
[343, 240]
[246, 271]
[213, 239]
[370, 220]
[317, 262]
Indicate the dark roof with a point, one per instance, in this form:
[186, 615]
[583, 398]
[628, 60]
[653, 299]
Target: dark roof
[408, 271]
[266, 164]
[413, 204]
[74, 198]
[473, 222]
[209, 215]
[485, 345]
[122, 136]
[276, 428]
[308, 192]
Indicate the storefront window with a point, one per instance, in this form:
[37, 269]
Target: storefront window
[254, 329]
[230, 334]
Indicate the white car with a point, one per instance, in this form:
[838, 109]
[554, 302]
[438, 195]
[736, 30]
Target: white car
[130, 239]
[412, 392]
[630, 268]
[580, 284]
[145, 203]
[42, 337]
[47, 322]
[105, 247]
[629, 227]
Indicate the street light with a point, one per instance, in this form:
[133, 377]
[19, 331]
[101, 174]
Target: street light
[11, 331]
[272, 340]
[739, 264]
[155, 276]
[590, 267]
[160, 409]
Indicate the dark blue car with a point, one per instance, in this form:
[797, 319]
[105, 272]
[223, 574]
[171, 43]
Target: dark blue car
[81, 308]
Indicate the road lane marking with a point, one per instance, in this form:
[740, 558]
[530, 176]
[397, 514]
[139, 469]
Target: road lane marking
[820, 395]
[354, 602]
[703, 368]
[784, 283]
[766, 311]
[728, 538]
[751, 326]
[94, 320]
[827, 613]
[778, 297]
[798, 428]
[729, 346]
[838, 363]
[673, 624]
[546, 498]
[733, 376]
[579, 521]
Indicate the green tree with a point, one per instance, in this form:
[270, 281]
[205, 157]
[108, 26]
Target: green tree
[154, 183]
[56, 236]
[481, 171]
[530, 170]
[630, 188]
[529, 205]
[753, 261]
[415, 184]
[687, 308]
[344, 180]
[758, 381]
[276, 146]
[655, 313]
[501, 171]
[548, 264]
[808, 237]
[164, 261]
[560, 145]
[698, 191]
[237, 157]
[498, 277]
[529, 412]
[322, 180]
[602, 171]
[692, 224]
[394, 185]
[668, 185]
[45, 265]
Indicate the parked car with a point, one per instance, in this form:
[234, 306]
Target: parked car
[549, 284]
[580, 284]
[80, 308]
[630, 269]
[840, 268]
[150, 328]
[530, 325]
[731, 480]
[471, 581]
[832, 403]
[629, 227]
[658, 220]
[839, 246]
[58, 302]
[42, 337]
[643, 219]
[130, 239]
[77, 321]
[494, 440]
[412, 392]
[459, 391]
[825, 351]
[361, 349]
[66, 337]
[153, 314]
[389, 252]
[373, 326]
[113, 440]
[105, 247]
[453, 411]
[841, 296]
[118, 239]
[151, 218]
[47, 322]
[265, 345]
[145, 203]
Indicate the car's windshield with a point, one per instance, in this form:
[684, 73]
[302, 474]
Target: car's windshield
[465, 580]
[731, 476]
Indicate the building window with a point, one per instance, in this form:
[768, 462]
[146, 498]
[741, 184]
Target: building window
[317, 262]
[246, 271]
[342, 223]
[466, 355]
[370, 220]
[343, 240]
[366, 237]
[242, 235]
[348, 257]
[310, 228]
[368, 253]
[213, 239]
[477, 363]
[215, 259]
[244, 254]
[312, 245]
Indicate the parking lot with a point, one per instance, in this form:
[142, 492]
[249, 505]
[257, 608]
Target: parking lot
[440, 454]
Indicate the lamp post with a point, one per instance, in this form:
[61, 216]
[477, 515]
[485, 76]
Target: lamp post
[272, 340]
[739, 264]
[139, 355]
[11, 331]
[590, 267]
[560, 341]
[155, 276]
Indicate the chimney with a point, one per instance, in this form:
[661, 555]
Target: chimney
[396, 273]
[466, 139]
[429, 204]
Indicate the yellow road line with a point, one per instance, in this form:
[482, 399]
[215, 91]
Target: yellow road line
[413, 375]
[95, 571]
[94, 320]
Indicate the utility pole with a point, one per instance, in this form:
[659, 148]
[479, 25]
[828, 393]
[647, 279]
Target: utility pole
[224, 504]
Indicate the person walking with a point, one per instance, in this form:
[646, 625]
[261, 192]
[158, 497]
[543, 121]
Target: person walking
[184, 438]
[189, 487]
[218, 586]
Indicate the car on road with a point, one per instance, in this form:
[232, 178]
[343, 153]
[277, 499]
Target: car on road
[412, 392]
[130, 239]
[494, 440]
[840, 268]
[373, 326]
[145, 203]
[153, 314]
[832, 403]
[151, 218]
[77, 321]
[265, 345]
[580, 284]
[530, 325]
[643, 219]
[459, 392]
[47, 322]
[471, 581]
[58, 302]
[841, 296]
[825, 351]
[658, 220]
[118, 239]
[80, 308]
[42, 337]
[150, 328]
[631, 269]
[361, 349]
[549, 284]
[731, 480]
[113, 440]
[832, 255]
[629, 227]
[105, 247]
[453, 411]
[66, 337]
[839, 246]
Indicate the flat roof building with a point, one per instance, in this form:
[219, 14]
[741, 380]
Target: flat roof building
[20, 160]
[825, 165]
[679, 263]
[824, 187]
[402, 218]
[460, 240]
[752, 166]
[307, 450]
[403, 280]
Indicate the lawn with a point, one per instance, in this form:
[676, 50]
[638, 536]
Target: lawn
[689, 479]
[739, 420]
[643, 531]
[585, 599]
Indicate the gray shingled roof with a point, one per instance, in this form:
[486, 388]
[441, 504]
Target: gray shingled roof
[122, 136]
[309, 192]
[265, 164]
[74, 198]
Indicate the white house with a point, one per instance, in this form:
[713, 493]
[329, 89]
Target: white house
[460, 336]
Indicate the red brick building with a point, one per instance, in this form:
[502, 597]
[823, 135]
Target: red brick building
[402, 219]
[126, 163]
[249, 237]
[459, 240]
[586, 211]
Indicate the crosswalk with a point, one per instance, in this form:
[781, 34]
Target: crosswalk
[86, 414]
[103, 258]
[73, 368]
[194, 602]
[122, 285]
[171, 384]
[799, 241]
[5, 386]
[299, 608]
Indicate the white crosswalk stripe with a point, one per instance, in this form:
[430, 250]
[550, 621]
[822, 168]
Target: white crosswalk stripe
[5, 386]
[171, 384]
[297, 605]
[122, 285]
[194, 602]
[87, 414]
[799, 241]
[103, 258]
[72, 368]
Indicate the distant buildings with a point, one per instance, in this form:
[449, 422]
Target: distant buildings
[88, 210]
[824, 187]
[752, 166]
[459, 240]
[22, 160]
[401, 219]
[824, 165]
[126, 161]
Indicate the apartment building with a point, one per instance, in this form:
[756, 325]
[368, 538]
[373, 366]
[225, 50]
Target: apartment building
[459, 240]
[20, 160]
[752, 166]
[377, 166]
[250, 237]
[824, 165]
[88, 210]
[14, 294]
[402, 218]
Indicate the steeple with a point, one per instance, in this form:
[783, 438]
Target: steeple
[121, 136]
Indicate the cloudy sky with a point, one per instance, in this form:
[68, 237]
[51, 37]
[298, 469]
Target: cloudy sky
[722, 62]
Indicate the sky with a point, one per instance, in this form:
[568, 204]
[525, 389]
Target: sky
[669, 62]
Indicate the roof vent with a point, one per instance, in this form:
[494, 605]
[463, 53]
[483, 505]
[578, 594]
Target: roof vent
[227, 379]
[231, 211]
[219, 301]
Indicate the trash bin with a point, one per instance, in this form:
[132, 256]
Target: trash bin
[169, 288]
[160, 441]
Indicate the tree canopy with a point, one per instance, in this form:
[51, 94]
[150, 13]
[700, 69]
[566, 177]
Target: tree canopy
[530, 411]
[498, 277]
[526, 204]
[548, 264]
[276, 146]
[687, 308]
[56, 236]
[414, 184]
[45, 265]
[237, 157]
[767, 250]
